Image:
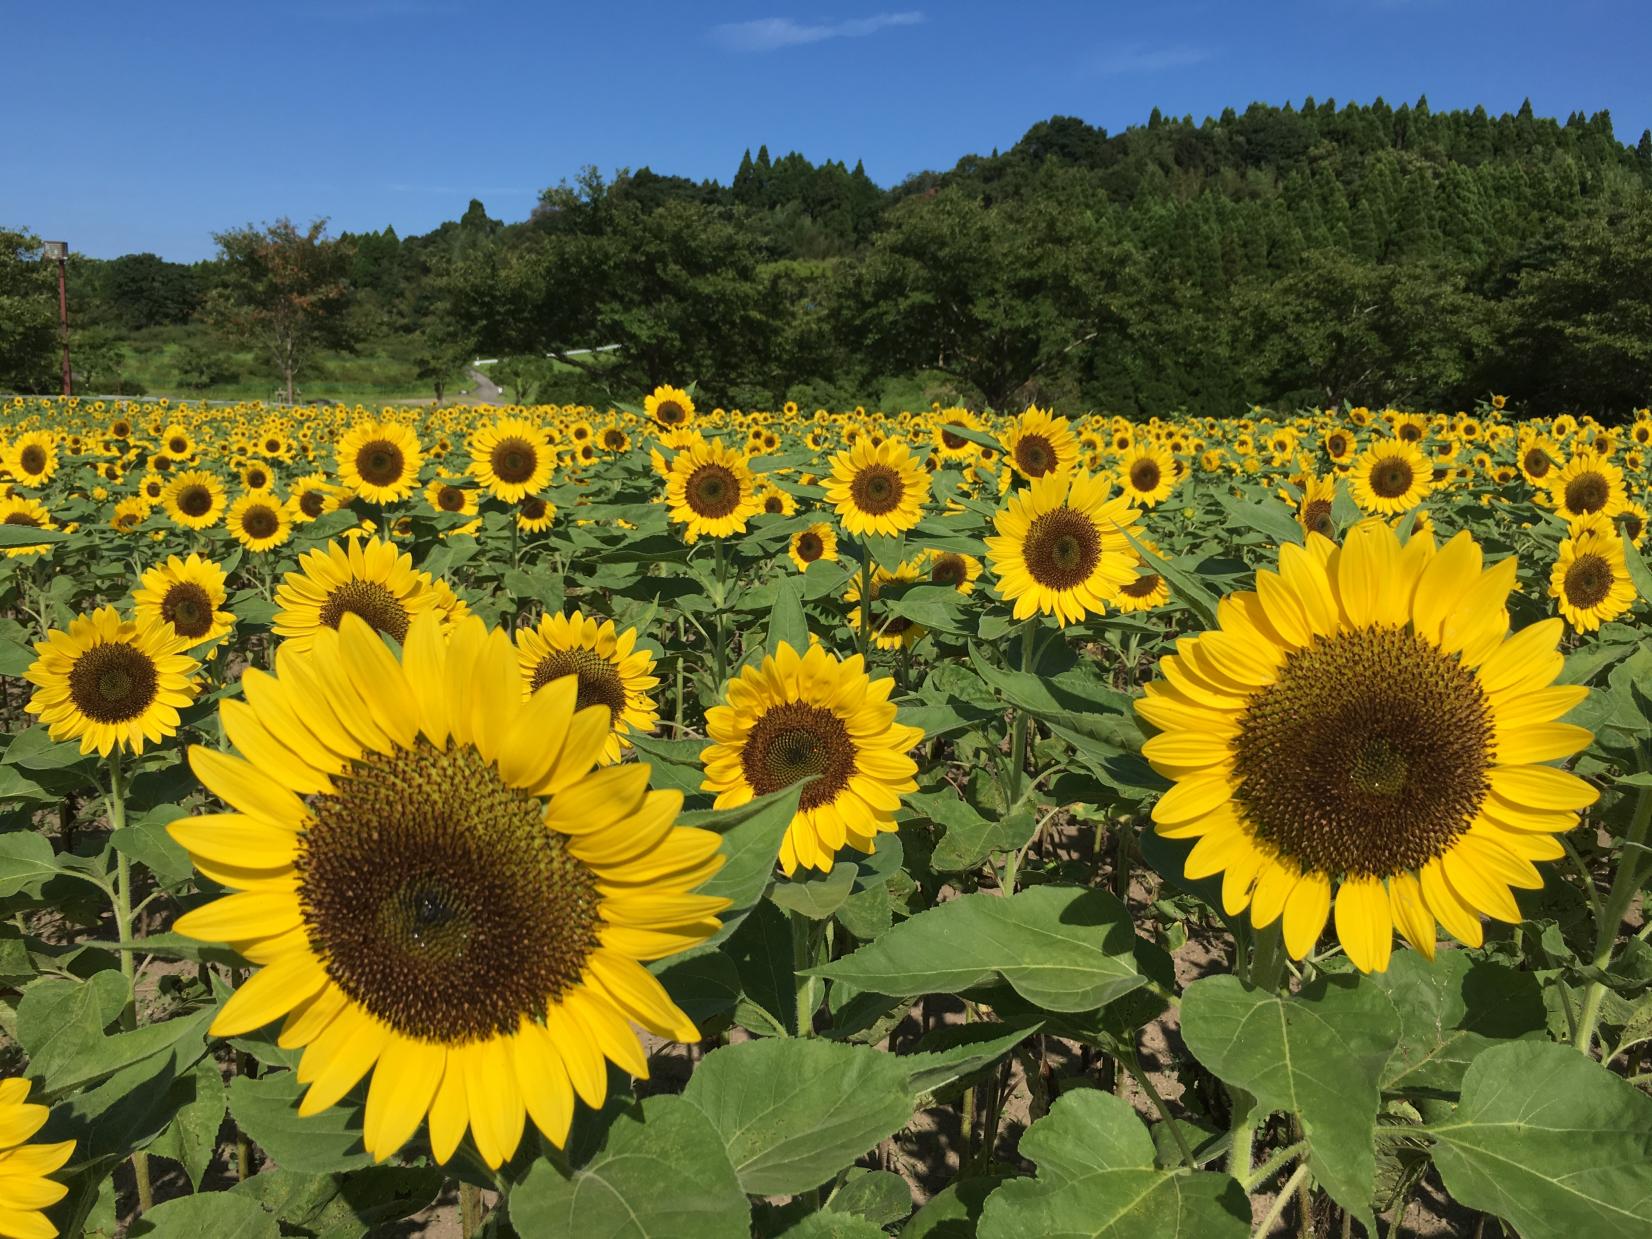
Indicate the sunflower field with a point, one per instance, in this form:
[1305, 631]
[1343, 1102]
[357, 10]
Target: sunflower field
[670, 821]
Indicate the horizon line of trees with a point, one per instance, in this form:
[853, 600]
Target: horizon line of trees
[1278, 256]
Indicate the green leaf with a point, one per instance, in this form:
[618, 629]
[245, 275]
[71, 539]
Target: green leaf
[1550, 1140]
[192, 1137]
[94, 1058]
[953, 1211]
[1319, 1055]
[761, 953]
[1060, 948]
[703, 982]
[344, 1206]
[969, 837]
[1451, 1009]
[267, 1110]
[58, 1020]
[223, 1215]
[1096, 1176]
[815, 895]
[29, 535]
[26, 861]
[787, 622]
[663, 1174]
[952, 1052]
[145, 840]
[1187, 587]
[791, 1113]
[751, 847]
[880, 1196]
[1639, 572]
[1268, 518]
[829, 1225]
[672, 763]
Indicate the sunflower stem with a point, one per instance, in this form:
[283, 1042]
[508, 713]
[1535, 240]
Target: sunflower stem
[866, 603]
[805, 946]
[719, 645]
[470, 1209]
[1625, 886]
[1018, 729]
[128, 955]
[1131, 1062]
[1277, 1209]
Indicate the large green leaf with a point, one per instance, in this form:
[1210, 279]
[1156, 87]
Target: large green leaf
[222, 1215]
[1062, 948]
[791, 1113]
[1319, 1055]
[267, 1110]
[26, 861]
[751, 848]
[661, 1174]
[787, 623]
[1451, 1009]
[192, 1137]
[1097, 1176]
[1552, 1141]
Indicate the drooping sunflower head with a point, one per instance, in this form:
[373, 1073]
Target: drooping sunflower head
[710, 489]
[512, 458]
[818, 541]
[1061, 547]
[108, 682]
[813, 717]
[25, 1190]
[1313, 511]
[369, 578]
[611, 669]
[1390, 477]
[194, 499]
[443, 892]
[183, 596]
[878, 488]
[380, 461]
[449, 496]
[259, 521]
[1364, 726]
[670, 407]
[1039, 444]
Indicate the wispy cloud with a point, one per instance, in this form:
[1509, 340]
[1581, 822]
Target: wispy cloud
[1140, 58]
[770, 34]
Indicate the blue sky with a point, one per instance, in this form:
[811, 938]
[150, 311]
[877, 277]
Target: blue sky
[148, 126]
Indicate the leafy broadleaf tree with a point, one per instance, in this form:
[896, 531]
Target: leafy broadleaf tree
[286, 288]
[28, 315]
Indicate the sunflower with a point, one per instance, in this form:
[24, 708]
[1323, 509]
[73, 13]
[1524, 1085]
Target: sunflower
[1590, 581]
[439, 889]
[773, 501]
[1313, 512]
[1340, 445]
[710, 488]
[194, 499]
[949, 444]
[32, 458]
[259, 521]
[151, 487]
[182, 596]
[313, 496]
[611, 670]
[178, 443]
[1146, 591]
[512, 458]
[818, 541]
[22, 512]
[1148, 474]
[1390, 477]
[889, 632]
[1039, 444]
[1588, 484]
[1365, 721]
[379, 461]
[109, 681]
[129, 514]
[671, 407]
[257, 476]
[953, 568]
[535, 514]
[1631, 522]
[877, 489]
[612, 438]
[813, 717]
[446, 495]
[1061, 547]
[24, 1188]
[374, 581]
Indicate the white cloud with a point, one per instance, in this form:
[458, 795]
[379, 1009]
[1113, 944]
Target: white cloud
[770, 34]
[1139, 58]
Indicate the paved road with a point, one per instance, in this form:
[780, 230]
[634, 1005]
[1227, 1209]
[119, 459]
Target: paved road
[485, 391]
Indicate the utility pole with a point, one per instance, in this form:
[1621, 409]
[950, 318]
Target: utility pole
[59, 250]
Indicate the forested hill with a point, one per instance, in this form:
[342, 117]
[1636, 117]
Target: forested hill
[1277, 255]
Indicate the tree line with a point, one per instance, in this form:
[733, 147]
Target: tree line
[1282, 256]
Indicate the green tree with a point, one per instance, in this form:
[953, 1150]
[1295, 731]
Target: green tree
[285, 288]
[28, 315]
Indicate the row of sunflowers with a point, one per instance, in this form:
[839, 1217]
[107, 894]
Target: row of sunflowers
[821, 823]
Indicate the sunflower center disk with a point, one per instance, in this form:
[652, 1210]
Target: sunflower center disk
[1144, 475]
[311, 502]
[1537, 462]
[22, 518]
[1036, 455]
[1316, 516]
[380, 463]
[436, 897]
[1588, 492]
[370, 600]
[948, 570]
[1588, 581]
[1062, 548]
[195, 501]
[810, 547]
[260, 523]
[514, 461]
[712, 491]
[1368, 756]
[1142, 587]
[1391, 478]
[188, 609]
[794, 741]
[599, 679]
[877, 489]
[113, 682]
